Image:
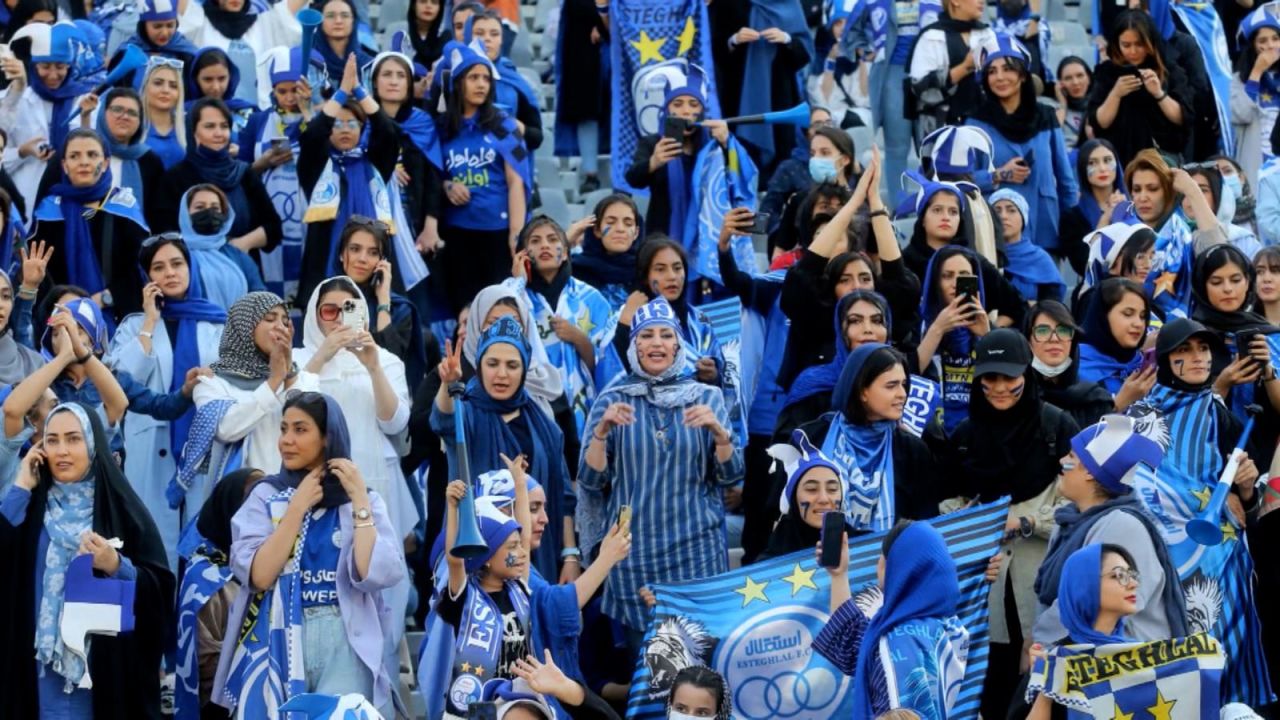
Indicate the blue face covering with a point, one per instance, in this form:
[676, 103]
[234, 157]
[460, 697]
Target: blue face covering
[822, 169]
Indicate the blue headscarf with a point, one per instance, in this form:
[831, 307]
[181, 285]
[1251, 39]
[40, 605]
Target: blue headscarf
[1080, 597]
[1088, 205]
[128, 151]
[1029, 266]
[920, 582]
[1102, 359]
[960, 340]
[510, 83]
[335, 63]
[337, 445]
[178, 47]
[89, 318]
[215, 166]
[220, 279]
[787, 16]
[1161, 12]
[194, 92]
[822, 378]
[417, 126]
[55, 43]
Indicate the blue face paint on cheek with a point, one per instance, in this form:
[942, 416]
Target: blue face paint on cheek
[511, 560]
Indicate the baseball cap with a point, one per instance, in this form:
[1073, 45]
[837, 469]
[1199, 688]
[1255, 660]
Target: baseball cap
[1002, 352]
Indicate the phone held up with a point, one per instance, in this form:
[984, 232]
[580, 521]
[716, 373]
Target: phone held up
[832, 543]
[967, 287]
[355, 316]
[674, 128]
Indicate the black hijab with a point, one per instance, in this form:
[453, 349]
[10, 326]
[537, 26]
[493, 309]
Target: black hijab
[327, 414]
[791, 534]
[1221, 321]
[125, 686]
[1002, 443]
[232, 25]
[214, 522]
[1097, 329]
[1028, 120]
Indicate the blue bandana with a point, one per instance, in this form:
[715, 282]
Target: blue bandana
[1080, 597]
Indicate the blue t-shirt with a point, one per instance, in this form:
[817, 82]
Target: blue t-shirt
[471, 158]
[319, 564]
[167, 147]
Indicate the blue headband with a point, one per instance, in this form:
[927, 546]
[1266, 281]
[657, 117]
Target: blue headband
[656, 312]
[505, 330]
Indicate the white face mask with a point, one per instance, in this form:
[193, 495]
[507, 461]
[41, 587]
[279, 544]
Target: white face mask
[675, 715]
[1047, 371]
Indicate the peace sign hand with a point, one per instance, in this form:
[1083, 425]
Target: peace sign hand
[450, 368]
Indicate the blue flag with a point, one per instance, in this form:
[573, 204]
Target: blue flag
[1202, 22]
[1176, 679]
[201, 581]
[723, 178]
[756, 625]
[650, 40]
[924, 397]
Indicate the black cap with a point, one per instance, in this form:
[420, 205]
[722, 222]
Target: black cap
[1003, 352]
[1181, 330]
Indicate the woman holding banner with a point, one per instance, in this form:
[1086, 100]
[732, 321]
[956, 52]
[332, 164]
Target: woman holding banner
[661, 445]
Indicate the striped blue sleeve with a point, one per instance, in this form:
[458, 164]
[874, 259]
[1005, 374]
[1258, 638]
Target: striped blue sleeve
[840, 640]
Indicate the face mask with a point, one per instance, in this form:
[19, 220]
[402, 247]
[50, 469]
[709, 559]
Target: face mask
[1233, 182]
[207, 221]
[822, 169]
[673, 715]
[1047, 371]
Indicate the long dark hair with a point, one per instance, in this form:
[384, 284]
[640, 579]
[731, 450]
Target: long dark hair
[876, 364]
[488, 116]
[1140, 22]
[652, 245]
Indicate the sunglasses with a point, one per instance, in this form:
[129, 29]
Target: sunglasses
[365, 221]
[329, 312]
[352, 124]
[162, 237]
[161, 61]
[1042, 333]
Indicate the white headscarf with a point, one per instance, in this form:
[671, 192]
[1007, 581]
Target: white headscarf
[542, 379]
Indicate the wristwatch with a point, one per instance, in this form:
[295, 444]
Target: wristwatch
[361, 515]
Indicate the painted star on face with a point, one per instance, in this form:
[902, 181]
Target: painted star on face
[753, 590]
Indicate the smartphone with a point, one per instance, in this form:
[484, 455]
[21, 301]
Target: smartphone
[967, 285]
[624, 519]
[1148, 359]
[355, 316]
[159, 302]
[760, 224]
[1243, 341]
[279, 143]
[832, 539]
[1133, 70]
[376, 280]
[478, 710]
[1029, 158]
[674, 127]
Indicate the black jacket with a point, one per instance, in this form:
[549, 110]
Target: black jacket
[986, 479]
[164, 204]
[121, 273]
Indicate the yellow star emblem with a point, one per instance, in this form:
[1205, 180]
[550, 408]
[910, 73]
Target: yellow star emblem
[585, 325]
[479, 671]
[1265, 97]
[753, 590]
[1163, 709]
[1229, 532]
[466, 667]
[686, 37]
[1121, 715]
[1203, 495]
[649, 48]
[800, 579]
[1164, 283]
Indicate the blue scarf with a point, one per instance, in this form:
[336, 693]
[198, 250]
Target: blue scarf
[510, 84]
[822, 379]
[219, 278]
[920, 585]
[421, 131]
[1095, 366]
[188, 313]
[203, 578]
[63, 100]
[1030, 267]
[336, 63]
[863, 451]
[1088, 205]
[1080, 597]
[235, 104]
[337, 445]
[178, 47]
[68, 513]
[787, 16]
[128, 152]
[198, 454]
[356, 171]
[478, 643]
[216, 166]
[74, 206]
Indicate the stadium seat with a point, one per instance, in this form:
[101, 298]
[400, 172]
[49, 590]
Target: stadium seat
[522, 51]
[554, 205]
[546, 170]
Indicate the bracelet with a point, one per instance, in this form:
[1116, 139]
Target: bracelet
[1163, 95]
[879, 213]
[26, 294]
[570, 552]
[340, 97]
[597, 437]
[145, 334]
[384, 308]
[829, 65]
[359, 93]
[1035, 17]
[574, 559]
[365, 524]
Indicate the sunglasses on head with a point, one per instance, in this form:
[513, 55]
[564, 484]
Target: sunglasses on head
[162, 237]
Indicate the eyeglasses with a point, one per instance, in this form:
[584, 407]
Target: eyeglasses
[337, 16]
[352, 124]
[1042, 333]
[162, 237]
[121, 111]
[329, 311]
[1124, 576]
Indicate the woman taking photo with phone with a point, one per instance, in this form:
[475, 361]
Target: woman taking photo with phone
[178, 330]
[954, 320]
[69, 499]
[814, 487]
[661, 442]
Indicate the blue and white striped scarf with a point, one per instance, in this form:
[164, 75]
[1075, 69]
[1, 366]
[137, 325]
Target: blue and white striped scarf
[68, 512]
[869, 497]
[203, 579]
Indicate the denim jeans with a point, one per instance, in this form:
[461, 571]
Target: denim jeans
[887, 113]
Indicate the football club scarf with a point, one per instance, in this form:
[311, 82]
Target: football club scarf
[203, 579]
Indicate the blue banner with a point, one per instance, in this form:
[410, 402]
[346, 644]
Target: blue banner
[756, 625]
[924, 398]
[650, 41]
[1202, 23]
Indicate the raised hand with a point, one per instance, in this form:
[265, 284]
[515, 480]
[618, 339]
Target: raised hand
[450, 368]
[35, 263]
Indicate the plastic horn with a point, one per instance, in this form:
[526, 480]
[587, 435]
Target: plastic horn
[468, 543]
[798, 115]
[1207, 529]
[133, 59]
[310, 20]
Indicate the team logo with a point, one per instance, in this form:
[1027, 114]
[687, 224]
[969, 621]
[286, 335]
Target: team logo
[1204, 604]
[649, 89]
[774, 672]
[465, 690]
[677, 643]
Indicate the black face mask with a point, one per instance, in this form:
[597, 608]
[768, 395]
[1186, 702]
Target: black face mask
[208, 221]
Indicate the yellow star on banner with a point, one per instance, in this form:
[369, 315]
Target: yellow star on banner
[649, 48]
[466, 667]
[800, 579]
[686, 37]
[753, 591]
[1121, 715]
[1163, 709]
[1203, 495]
[585, 324]
[1229, 532]
[1265, 97]
[479, 671]
[1164, 283]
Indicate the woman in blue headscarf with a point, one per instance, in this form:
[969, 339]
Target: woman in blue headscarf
[212, 74]
[41, 96]
[177, 330]
[488, 178]
[502, 419]
[338, 39]
[1102, 189]
[96, 229]
[914, 630]
[320, 547]
[225, 271]
[953, 323]
[1097, 591]
[246, 33]
[349, 152]
[209, 134]
[512, 93]
[157, 32]
[1115, 328]
[71, 499]
[133, 164]
[1026, 264]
